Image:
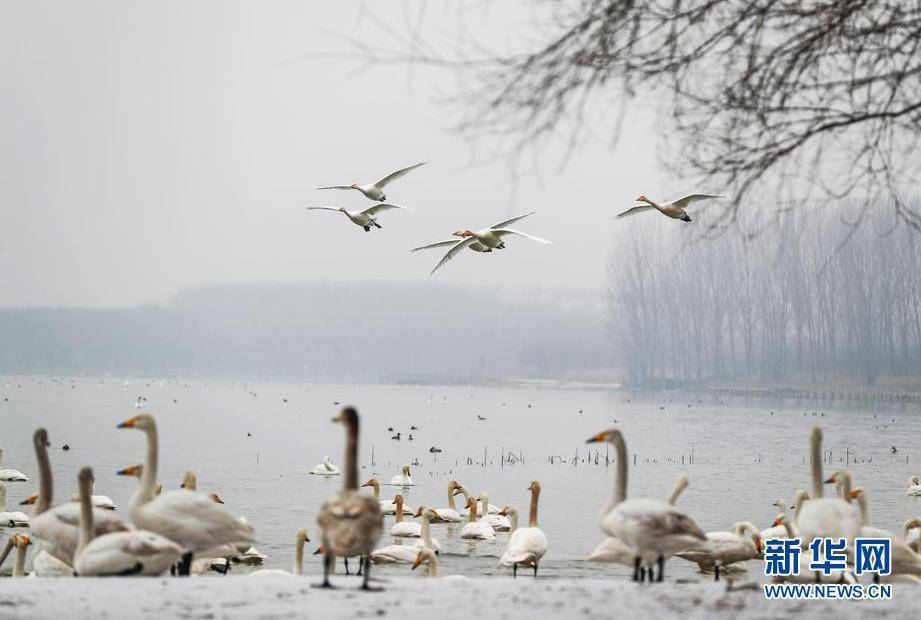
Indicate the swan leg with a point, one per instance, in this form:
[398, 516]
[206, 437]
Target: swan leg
[716, 572]
[515, 569]
[364, 583]
[367, 228]
[329, 561]
[636, 569]
[661, 569]
[361, 564]
[535, 569]
[375, 224]
[346, 562]
[184, 567]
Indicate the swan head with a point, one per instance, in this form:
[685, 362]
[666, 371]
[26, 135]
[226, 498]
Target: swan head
[534, 487]
[425, 555]
[321, 549]
[134, 471]
[214, 497]
[302, 536]
[462, 233]
[780, 519]
[609, 436]
[471, 503]
[85, 476]
[372, 483]
[23, 540]
[189, 481]
[406, 469]
[29, 501]
[508, 511]
[858, 493]
[143, 422]
[455, 487]
[353, 186]
[347, 416]
[398, 500]
[642, 198]
[40, 438]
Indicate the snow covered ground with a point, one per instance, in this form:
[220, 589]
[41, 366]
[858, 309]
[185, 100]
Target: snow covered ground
[408, 597]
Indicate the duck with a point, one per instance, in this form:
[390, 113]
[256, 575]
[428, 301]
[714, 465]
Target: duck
[11, 475]
[366, 217]
[404, 529]
[498, 522]
[654, 529]
[187, 517]
[674, 209]
[134, 552]
[526, 545]
[300, 538]
[13, 518]
[326, 468]
[724, 548]
[388, 507]
[914, 486]
[375, 191]
[473, 529]
[403, 479]
[351, 523]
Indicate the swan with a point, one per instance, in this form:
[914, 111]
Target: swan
[351, 522]
[653, 528]
[428, 557]
[326, 468]
[299, 541]
[674, 209]
[780, 531]
[11, 475]
[388, 507]
[375, 191]
[617, 551]
[404, 529]
[364, 218]
[806, 574]
[97, 501]
[723, 548]
[449, 514]
[428, 516]
[467, 497]
[10, 518]
[826, 516]
[46, 565]
[135, 472]
[526, 545]
[135, 552]
[190, 482]
[914, 486]
[476, 530]
[58, 528]
[476, 246]
[403, 479]
[904, 560]
[191, 519]
[498, 522]
[21, 542]
[911, 533]
[489, 238]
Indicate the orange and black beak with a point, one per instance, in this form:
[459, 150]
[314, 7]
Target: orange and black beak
[129, 423]
[29, 500]
[417, 561]
[855, 493]
[597, 438]
[133, 470]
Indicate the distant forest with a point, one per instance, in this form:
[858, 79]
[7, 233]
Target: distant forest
[811, 299]
[322, 331]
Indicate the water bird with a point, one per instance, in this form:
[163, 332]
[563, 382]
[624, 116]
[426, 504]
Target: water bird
[479, 417]
[11, 475]
[387, 507]
[434, 450]
[298, 567]
[450, 514]
[904, 559]
[914, 486]
[13, 518]
[674, 209]
[375, 191]
[526, 545]
[396, 437]
[65, 447]
[365, 218]
[413, 428]
[403, 479]
[476, 530]
[826, 516]
[326, 468]
[496, 521]
[723, 548]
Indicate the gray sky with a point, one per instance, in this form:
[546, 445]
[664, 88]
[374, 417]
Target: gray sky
[150, 147]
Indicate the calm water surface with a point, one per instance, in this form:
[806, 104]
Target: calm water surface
[254, 442]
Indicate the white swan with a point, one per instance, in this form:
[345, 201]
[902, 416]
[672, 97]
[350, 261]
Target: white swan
[914, 486]
[467, 497]
[12, 518]
[780, 531]
[299, 541]
[429, 516]
[364, 218]
[616, 551]
[723, 548]
[406, 554]
[375, 191]
[526, 545]
[473, 529]
[498, 522]
[674, 209]
[191, 519]
[911, 533]
[450, 514]
[46, 565]
[58, 528]
[655, 529]
[904, 559]
[326, 468]
[428, 557]
[21, 542]
[826, 516]
[404, 529]
[11, 475]
[806, 575]
[98, 501]
[387, 506]
[403, 479]
[136, 552]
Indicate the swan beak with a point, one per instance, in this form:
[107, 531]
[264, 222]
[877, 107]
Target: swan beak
[29, 500]
[319, 550]
[778, 521]
[367, 484]
[417, 561]
[24, 539]
[758, 544]
[596, 439]
[855, 493]
[128, 423]
[128, 471]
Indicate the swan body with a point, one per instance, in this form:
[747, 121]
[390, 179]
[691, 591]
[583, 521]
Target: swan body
[724, 548]
[498, 522]
[395, 554]
[299, 541]
[326, 468]
[914, 486]
[428, 557]
[11, 475]
[403, 479]
[404, 529]
[387, 507]
[10, 518]
[97, 501]
[46, 565]
[826, 516]
[806, 575]
[904, 559]
[473, 529]
[526, 545]
[467, 497]
[365, 218]
[450, 514]
[375, 191]
[674, 209]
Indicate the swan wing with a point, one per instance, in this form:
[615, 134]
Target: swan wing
[439, 244]
[501, 232]
[192, 520]
[383, 206]
[527, 544]
[633, 211]
[511, 221]
[460, 245]
[686, 200]
[393, 176]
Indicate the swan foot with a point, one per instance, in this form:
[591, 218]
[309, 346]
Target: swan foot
[326, 585]
[184, 567]
[367, 228]
[636, 569]
[515, 570]
[535, 570]
[364, 583]
[346, 562]
[661, 577]
[361, 565]
[716, 572]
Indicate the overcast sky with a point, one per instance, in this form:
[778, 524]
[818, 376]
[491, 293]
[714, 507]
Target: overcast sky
[149, 147]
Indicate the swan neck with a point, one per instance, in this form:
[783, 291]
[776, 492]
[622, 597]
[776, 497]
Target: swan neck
[45, 482]
[426, 532]
[145, 489]
[433, 565]
[85, 534]
[513, 519]
[377, 491]
[399, 510]
[846, 486]
[789, 527]
[298, 557]
[7, 549]
[471, 516]
[816, 455]
[864, 509]
[351, 456]
[19, 566]
[620, 482]
[677, 490]
[451, 503]
[532, 516]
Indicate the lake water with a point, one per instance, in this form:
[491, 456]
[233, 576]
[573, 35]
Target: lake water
[745, 453]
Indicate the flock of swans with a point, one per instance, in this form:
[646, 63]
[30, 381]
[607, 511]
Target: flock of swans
[486, 239]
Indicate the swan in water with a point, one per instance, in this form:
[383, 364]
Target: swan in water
[723, 548]
[13, 518]
[365, 218]
[616, 551]
[806, 575]
[97, 501]
[11, 475]
[388, 507]
[375, 191]
[780, 531]
[404, 529]
[135, 471]
[914, 486]
[326, 468]
[135, 552]
[526, 545]
[427, 556]
[405, 554]
[674, 209]
[450, 514]
[351, 522]
[58, 528]
[653, 528]
[826, 516]
[911, 533]
[403, 479]
[467, 497]
[473, 529]
[498, 522]
[21, 542]
[190, 518]
[429, 516]
[299, 541]
[904, 560]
